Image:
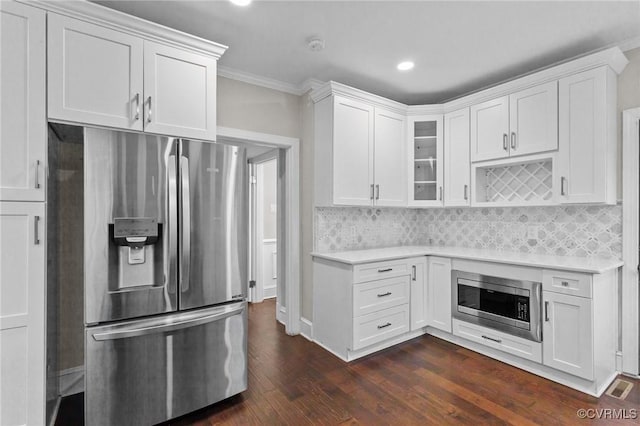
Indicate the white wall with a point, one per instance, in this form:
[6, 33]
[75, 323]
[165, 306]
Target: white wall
[628, 97]
[268, 181]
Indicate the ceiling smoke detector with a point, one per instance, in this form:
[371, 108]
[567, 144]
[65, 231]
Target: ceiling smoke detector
[315, 44]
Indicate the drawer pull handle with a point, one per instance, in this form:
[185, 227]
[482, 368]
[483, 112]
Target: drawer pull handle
[385, 270]
[385, 294]
[384, 325]
[565, 283]
[492, 339]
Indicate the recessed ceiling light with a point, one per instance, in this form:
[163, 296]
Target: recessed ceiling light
[405, 66]
[240, 2]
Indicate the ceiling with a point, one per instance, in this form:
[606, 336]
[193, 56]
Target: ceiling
[457, 47]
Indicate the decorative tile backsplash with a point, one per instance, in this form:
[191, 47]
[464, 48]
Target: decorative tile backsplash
[585, 231]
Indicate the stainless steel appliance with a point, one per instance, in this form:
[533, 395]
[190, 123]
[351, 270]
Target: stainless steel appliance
[512, 306]
[165, 273]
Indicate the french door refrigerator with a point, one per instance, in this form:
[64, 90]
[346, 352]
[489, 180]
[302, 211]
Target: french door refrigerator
[165, 265]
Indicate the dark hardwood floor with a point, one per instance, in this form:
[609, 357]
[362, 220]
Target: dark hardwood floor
[423, 381]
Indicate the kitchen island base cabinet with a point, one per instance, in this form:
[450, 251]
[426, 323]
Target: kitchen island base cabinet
[360, 309]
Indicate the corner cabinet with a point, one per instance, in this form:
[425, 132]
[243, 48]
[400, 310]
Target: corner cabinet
[359, 154]
[23, 119]
[588, 141]
[110, 78]
[426, 176]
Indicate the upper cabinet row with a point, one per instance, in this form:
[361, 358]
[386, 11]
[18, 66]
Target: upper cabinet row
[97, 75]
[549, 143]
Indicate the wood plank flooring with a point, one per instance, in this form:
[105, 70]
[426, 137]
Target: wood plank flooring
[423, 381]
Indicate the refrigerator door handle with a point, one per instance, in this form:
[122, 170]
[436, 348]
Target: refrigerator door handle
[185, 229]
[162, 326]
[172, 274]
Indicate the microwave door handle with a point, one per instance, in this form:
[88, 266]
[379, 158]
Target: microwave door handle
[172, 225]
[185, 229]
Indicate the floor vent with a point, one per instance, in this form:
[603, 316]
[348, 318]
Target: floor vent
[619, 389]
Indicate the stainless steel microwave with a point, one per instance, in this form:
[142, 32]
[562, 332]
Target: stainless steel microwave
[511, 306]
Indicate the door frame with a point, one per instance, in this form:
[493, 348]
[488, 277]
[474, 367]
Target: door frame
[630, 296]
[288, 245]
[257, 225]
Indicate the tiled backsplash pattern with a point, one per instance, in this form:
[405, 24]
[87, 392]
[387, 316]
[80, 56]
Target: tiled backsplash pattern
[585, 231]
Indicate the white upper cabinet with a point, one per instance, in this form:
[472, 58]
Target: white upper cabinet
[587, 129]
[389, 158]
[490, 129]
[426, 174]
[111, 78]
[352, 152]
[95, 74]
[457, 179]
[525, 122]
[180, 92]
[533, 120]
[23, 118]
[360, 154]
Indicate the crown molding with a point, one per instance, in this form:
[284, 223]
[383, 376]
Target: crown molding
[630, 44]
[258, 80]
[612, 57]
[310, 84]
[109, 18]
[334, 88]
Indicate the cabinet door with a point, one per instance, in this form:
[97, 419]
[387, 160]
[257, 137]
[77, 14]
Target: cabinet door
[23, 117]
[180, 92]
[95, 74]
[583, 158]
[389, 152]
[425, 161]
[439, 293]
[418, 293]
[490, 129]
[352, 152]
[567, 331]
[456, 158]
[22, 336]
[533, 119]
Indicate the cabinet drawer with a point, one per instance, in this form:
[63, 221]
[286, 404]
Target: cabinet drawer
[505, 342]
[378, 270]
[373, 296]
[571, 283]
[379, 326]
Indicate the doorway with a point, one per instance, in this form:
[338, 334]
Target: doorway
[263, 219]
[262, 147]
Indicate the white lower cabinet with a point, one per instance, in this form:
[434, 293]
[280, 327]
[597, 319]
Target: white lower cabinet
[567, 330]
[359, 309]
[439, 293]
[419, 302]
[22, 308]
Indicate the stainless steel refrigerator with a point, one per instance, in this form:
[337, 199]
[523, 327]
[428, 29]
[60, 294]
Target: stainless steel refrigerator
[165, 276]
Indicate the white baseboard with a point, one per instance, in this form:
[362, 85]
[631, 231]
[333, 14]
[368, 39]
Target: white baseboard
[71, 381]
[306, 329]
[270, 292]
[281, 314]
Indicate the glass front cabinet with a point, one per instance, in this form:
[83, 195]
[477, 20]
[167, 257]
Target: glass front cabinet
[425, 161]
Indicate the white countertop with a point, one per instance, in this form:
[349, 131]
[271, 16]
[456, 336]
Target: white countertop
[592, 265]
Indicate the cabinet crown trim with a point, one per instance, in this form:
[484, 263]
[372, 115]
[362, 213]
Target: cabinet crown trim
[119, 21]
[612, 57]
[333, 88]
